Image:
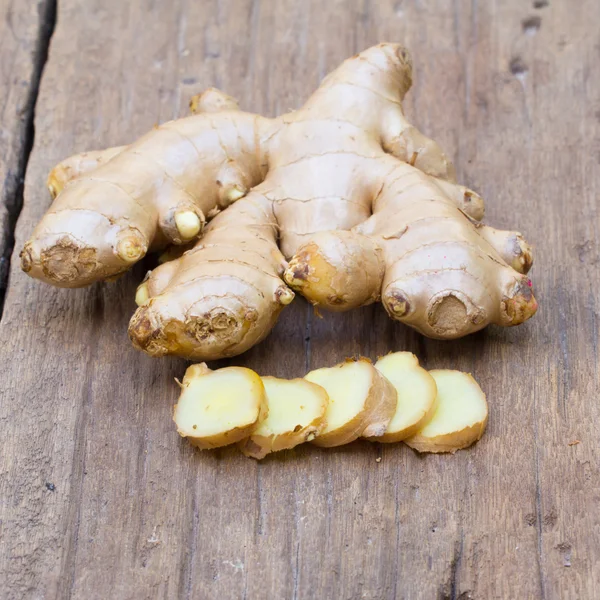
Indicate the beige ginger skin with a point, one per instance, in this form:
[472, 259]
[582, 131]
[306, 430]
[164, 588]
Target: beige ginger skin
[210, 101]
[362, 205]
[432, 267]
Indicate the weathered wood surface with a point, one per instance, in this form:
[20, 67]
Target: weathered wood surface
[100, 497]
[24, 31]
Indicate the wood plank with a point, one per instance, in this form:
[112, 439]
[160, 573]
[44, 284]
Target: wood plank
[24, 31]
[100, 496]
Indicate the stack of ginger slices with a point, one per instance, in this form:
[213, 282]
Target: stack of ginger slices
[394, 400]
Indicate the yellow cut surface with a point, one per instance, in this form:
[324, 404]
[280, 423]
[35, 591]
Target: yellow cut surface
[461, 403]
[218, 402]
[416, 390]
[348, 386]
[460, 417]
[293, 405]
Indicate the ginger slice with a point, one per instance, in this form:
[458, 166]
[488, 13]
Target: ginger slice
[460, 417]
[416, 391]
[361, 402]
[296, 414]
[217, 408]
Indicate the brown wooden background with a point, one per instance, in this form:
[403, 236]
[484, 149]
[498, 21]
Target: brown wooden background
[99, 496]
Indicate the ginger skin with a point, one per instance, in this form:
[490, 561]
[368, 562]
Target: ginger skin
[115, 205]
[431, 266]
[345, 189]
[210, 101]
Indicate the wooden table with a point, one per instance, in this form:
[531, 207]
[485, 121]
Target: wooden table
[102, 499]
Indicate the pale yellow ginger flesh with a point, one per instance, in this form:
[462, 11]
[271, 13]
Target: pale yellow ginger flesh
[342, 200]
[361, 402]
[217, 408]
[417, 393]
[441, 411]
[460, 417]
[297, 410]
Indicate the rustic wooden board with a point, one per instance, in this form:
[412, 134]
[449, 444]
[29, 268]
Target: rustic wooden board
[24, 31]
[101, 499]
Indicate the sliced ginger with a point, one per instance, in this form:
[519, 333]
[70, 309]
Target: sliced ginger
[416, 391]
[460, 417]
[296, 414]
[217, 408]
[361, 402]
[395, 400]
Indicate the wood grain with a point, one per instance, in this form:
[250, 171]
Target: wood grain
[24, 31]
[100, 497]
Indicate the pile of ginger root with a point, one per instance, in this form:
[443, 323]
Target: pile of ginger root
[342, 201]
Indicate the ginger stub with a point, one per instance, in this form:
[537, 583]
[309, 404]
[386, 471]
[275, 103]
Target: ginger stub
[361, 402]
[297, 410]
[218, 408]
[460, 417]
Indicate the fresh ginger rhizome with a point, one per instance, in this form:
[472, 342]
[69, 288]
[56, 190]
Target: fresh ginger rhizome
[343, 201]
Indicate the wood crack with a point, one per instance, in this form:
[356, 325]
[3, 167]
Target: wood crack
[538, 507]
[455, 567]
[14, 184]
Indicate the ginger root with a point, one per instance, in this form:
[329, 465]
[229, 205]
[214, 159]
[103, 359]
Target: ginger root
[432, 267]
[362, 205]
[77, 165]
[210, 101]
[113, 206]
